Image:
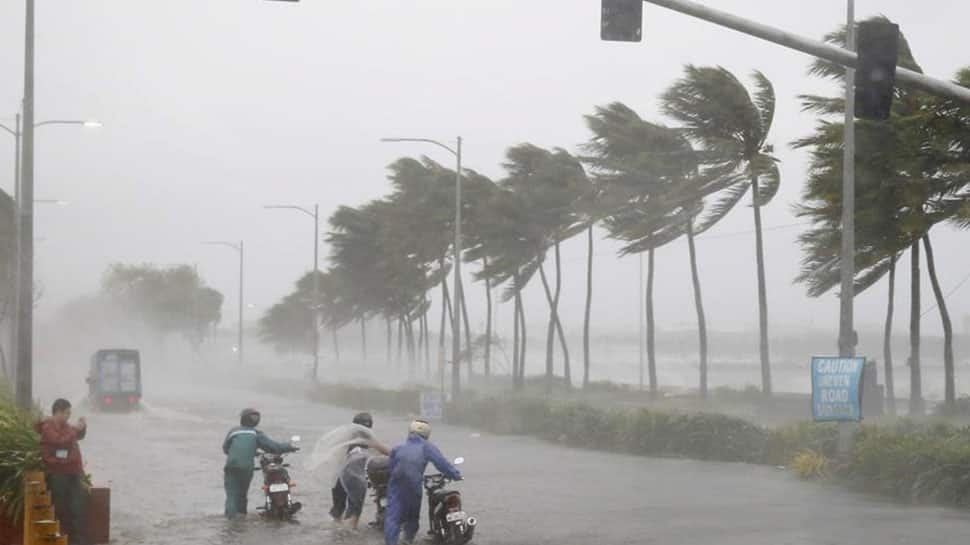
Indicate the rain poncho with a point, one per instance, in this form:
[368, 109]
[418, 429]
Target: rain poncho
[342, 454]
[408, 462]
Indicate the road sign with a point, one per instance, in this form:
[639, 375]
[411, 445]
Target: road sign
[432, 406]
[837, 388]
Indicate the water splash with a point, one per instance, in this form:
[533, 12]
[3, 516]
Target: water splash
[330, 452]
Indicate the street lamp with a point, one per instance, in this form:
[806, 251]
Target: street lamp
[23, 133]
[315, 214]
[456, 320]
[238, 248]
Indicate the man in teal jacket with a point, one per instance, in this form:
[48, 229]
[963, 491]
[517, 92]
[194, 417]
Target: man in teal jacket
[240, 447]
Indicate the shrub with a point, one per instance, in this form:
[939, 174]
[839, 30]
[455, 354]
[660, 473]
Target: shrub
[959, 409]
[810, 464]
[368, 398]
[911, 462]
[19, 453]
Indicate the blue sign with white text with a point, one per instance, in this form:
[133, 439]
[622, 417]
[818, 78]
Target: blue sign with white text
[837, 389]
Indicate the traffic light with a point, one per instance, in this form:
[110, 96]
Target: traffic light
[622, 20]
[876, 70]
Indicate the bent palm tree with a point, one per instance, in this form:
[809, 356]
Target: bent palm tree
[731, 125]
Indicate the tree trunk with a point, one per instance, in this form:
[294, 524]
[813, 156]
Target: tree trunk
[427, 342]
[515, 342]
[336, 343]
[468, 333]
[409, 332]
[488, 322]
[699, 304]
[567, 372]
[949, 398]
[400, 342]
[524, 344]
[651, 329]
[363, 338]
[887, 345]
[915, 378]
[444, 312]
[553, 323]
[589, 304]
[550, 330]
[390, 339]
[762, 291]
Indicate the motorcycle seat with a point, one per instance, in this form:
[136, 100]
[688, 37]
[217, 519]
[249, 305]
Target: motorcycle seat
[440, 495]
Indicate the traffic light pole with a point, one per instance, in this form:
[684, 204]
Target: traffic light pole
[847, 339]
[822, 50]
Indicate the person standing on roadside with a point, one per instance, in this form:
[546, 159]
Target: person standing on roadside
[65, 469]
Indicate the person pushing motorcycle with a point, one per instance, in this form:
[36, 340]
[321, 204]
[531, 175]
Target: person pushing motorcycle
[407, 464]
[240, 447]
[350, 489]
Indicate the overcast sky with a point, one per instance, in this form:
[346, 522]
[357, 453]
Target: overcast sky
[212, 108]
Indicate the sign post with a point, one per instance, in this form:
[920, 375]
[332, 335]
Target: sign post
[837, 388]
[432, 405]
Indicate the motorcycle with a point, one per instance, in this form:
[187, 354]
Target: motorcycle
[449, 523]
[378, 471]
[278, 487]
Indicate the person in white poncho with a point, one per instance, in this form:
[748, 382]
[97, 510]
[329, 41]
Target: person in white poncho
[350, 489]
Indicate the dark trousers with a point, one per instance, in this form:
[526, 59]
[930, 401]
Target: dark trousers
[237, 483]
[70, 501]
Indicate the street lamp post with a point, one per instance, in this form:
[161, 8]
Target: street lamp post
[315, 214]
[456, 318]
[238, 248]
[19, 132]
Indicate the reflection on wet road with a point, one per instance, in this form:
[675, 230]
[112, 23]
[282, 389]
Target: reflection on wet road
[164, 468]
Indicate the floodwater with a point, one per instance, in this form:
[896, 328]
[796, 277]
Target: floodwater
[164, 467]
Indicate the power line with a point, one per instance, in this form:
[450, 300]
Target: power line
[750, 232]
[948, 294]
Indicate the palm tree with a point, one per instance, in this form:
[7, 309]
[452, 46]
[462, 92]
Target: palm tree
[507, 239]
[718, 113]
[902, 166]
[478, 191]
[654, 182]
[552, 182]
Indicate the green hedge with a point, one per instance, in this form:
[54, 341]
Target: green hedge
[640, 431]
[914, 462]
[908, 460]
[368, 398]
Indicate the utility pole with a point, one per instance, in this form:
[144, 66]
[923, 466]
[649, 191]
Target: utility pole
[239, 341]
[25, 289]
[316, 290]
[456, 318]
[315, 296]
[847, 335]
[456, 341]
[640, 313]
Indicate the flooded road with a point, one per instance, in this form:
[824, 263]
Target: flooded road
[164, 466]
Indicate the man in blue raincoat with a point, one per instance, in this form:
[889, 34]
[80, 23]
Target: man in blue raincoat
[407, 465]
[240, 447]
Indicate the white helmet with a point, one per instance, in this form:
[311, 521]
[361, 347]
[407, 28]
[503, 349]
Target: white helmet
[420, 427]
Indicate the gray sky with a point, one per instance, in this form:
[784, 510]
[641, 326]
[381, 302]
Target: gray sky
[213, 108]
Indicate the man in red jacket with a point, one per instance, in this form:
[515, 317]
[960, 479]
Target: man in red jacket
[62, 456]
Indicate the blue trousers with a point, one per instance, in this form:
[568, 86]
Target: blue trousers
[403, 511]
